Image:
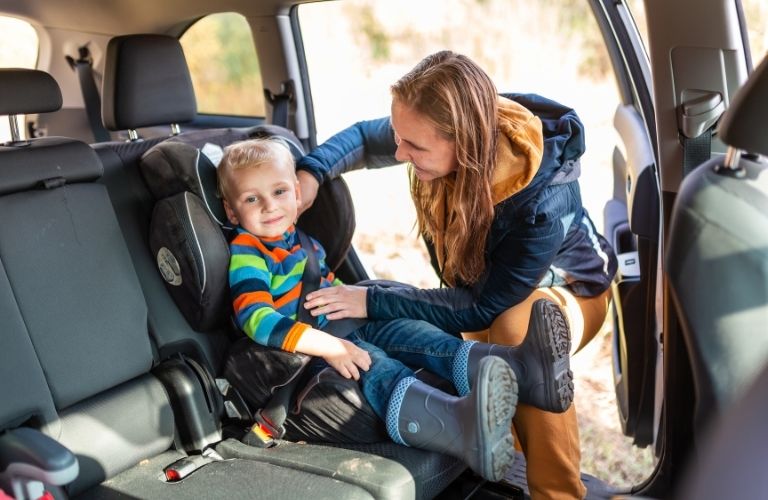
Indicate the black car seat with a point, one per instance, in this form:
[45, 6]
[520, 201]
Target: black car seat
[78, 362]
[192, 254]
[717, 258]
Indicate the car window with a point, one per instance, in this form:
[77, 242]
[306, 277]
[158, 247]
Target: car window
[224, 66]
[756, 15]
[18, 50]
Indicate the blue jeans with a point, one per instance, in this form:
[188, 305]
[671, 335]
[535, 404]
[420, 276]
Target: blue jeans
[392, 345]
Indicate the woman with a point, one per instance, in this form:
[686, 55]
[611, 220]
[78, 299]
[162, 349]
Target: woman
[494, 181]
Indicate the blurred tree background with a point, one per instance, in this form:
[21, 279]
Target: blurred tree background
[224, 67]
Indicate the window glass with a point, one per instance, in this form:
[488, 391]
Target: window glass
[756, 14]
[225, 69]
[550, 47]
[18, 49]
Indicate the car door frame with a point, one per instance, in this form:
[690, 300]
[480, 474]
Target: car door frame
[719, 49]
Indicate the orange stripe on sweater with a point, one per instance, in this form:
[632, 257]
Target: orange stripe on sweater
[276, 254]
[293, 294]
[293, 336]
[246, 299]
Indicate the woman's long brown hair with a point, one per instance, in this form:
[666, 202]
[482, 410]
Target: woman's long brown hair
[455, 211]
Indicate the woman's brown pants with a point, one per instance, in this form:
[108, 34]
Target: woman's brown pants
[550, 441]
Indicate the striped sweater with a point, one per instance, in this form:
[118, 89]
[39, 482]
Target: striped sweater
[265, 284]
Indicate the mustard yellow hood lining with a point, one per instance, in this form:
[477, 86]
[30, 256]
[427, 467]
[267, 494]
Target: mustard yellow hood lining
[519, 151]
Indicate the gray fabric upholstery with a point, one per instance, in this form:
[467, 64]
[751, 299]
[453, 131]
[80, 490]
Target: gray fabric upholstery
[731, 462]
[743, 125]
[23, 388]
[383, 478]
[717, 260]
[117, 429]
[241, 479]
[146, 82]
[40, 92]
[386, 470]
[76, 288]
[26, 166]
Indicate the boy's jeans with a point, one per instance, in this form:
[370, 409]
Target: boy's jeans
[392, 345]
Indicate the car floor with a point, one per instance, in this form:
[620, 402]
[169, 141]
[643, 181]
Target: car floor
[596, 488]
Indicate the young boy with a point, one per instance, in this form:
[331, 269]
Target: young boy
[261, 195]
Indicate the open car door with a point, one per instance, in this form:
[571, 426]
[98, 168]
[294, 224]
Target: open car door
[673, 98]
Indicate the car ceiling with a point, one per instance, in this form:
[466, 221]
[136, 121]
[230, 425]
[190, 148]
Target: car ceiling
[117, 17]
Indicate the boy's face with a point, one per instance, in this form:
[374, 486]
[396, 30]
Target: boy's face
[264, 200]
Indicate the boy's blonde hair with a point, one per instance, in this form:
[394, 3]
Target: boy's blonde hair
[252, 153]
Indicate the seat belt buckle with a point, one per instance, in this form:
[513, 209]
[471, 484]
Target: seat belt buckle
[260, 435]
[183, 467]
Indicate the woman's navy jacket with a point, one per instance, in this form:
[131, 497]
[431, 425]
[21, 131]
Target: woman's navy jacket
[541, 236]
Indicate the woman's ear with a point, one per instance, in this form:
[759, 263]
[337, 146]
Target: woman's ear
[297, 186]
[230, 213]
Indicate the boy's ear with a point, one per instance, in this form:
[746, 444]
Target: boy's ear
[230, 213]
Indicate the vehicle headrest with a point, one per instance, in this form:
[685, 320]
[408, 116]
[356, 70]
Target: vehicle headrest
[28, 91]
[46, 163]
[146, 83]
[743, 124]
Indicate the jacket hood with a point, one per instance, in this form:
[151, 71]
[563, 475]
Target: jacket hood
[540, 141]
[519, 149]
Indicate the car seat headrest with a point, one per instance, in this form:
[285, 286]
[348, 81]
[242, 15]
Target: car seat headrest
[146, 83]
[742, 125]
[28, 91]
[46, 163]
[173, 167]
[188, 163]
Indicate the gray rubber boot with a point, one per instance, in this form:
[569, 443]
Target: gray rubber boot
[475, 428]
[541, 362]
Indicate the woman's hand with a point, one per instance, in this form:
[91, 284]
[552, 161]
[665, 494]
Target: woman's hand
[338, 302]
[308, 187]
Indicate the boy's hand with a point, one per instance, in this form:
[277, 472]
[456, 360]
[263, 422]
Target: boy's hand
[349, 360]
[338, 302]
[344, 356]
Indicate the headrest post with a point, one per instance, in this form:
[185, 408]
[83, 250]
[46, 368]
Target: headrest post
[15, 136]
[133, 136]
[732, 157]
[175, 129]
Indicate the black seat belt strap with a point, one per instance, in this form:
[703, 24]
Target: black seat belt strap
[91, 98]
[696, 151]
[280, 103]
[270, 419]
[698, 114]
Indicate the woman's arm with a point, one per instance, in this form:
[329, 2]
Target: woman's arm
[518, 264]
[368, 143]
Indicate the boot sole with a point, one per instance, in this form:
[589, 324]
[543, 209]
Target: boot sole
[554, 338]
[495, 405]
